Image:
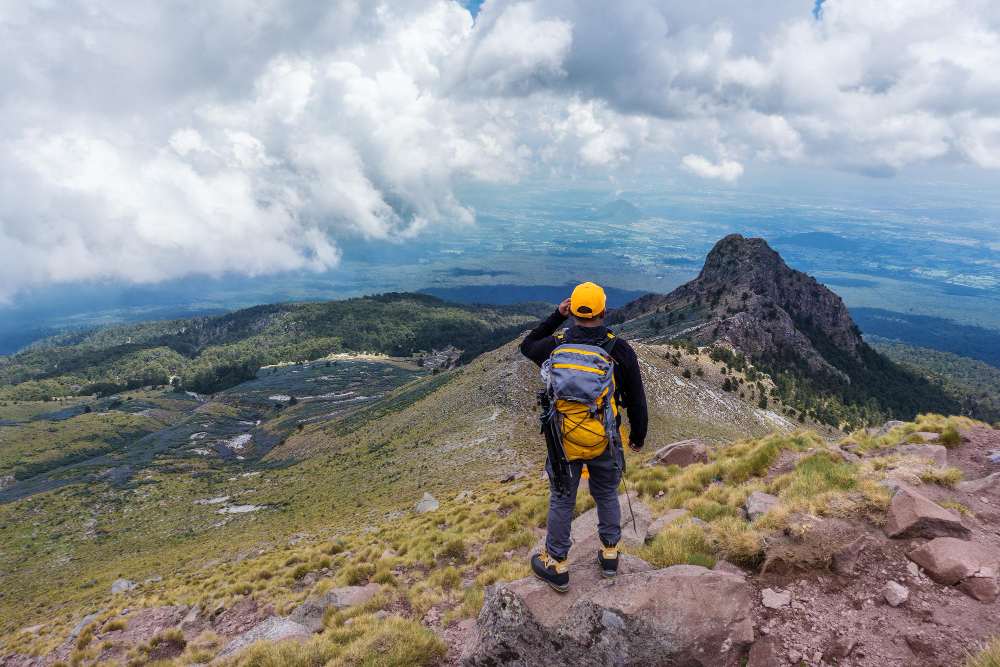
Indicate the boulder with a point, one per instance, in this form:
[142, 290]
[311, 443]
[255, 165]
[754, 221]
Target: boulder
[664, 520]
[982, 586]
[83, 623]
[759, 504]
[683, 453]
[681, 615]
[427, 504]
[586, 541]
[274, 629]
[310, 613]
[845, 559]
[980, 485]
[895, 593]
[936, 453]
[914, 515]
[948, 560]
[122, 586]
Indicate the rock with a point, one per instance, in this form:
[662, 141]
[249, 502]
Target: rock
[895, 593]
[936, 453]
[845, 559]
[155, 579]
[729, 568]
[913, 569]
[122, 586]
[586, 542]
[512, 477]
[927, 436]
[664, 520]
[838, 648]
[463, 496]
[772, 599]
[913, 515]
[764, 653]
[948, 560]
[994, 457]
[31, 629]
[683, 454]
[427, 504]
[310, 613]
[759, 504]
[982, 586]
[980, 485]
[920, 645]
[683, 615]
[84, 622]
[6, 481]
[274, 629]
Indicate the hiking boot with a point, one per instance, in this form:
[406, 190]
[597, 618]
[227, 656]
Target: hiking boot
[553, 572]
[607, 558]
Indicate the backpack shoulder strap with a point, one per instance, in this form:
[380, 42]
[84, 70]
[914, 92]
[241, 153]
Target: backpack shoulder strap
[560, 336]
[609, 342]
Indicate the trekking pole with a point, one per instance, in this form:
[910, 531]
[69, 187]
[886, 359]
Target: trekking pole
[621, 470]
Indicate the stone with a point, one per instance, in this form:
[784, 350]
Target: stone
[773, 599]
[311, 612]
[586, 541]
[664, 520]
[84, 622]
[427, 504]
[759, 504]
[886, 427]
[936, 453]
[122, 586]
[682, 453]
[273, 629]
[838, 647]
[914, 515]
[6, 481]
[948, 560]
[979, 485]
[982, 588]
[845, 559]
[895, 593]
[927, 436]
[683, 615]
[729, 568]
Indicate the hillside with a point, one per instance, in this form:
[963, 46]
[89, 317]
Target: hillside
[208, 354]
[793, 328]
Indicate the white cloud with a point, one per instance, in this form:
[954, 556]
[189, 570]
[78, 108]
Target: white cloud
[724, 170]
[141, 141]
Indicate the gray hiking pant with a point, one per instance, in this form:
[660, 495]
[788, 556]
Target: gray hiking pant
[604, 480]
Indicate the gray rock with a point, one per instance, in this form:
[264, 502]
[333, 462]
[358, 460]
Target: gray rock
[427, 504]
[980, 485]
[273, 629]
[895, 593]
[664, 520]
[982, 586]
[683, 454]
[84, 622]
[913, 515]
[310, 613]
[936, 453]
[845, 559]
[683, 615]
[6, 481]
[886, 427]
[759, 504]
[772, 599]
[948, 560]
[927, 436]
[122, 586]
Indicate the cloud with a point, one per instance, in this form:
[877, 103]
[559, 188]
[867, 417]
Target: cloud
[724, 170]
[143, 141]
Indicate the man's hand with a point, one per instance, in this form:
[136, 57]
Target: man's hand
[635, 446]
[564, 308]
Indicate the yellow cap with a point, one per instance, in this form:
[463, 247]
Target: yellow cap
[587, 301]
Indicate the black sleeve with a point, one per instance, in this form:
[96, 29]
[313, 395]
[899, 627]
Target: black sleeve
[538, 344]
[633, 395]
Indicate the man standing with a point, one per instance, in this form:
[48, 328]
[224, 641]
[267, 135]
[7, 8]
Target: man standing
[587, 308]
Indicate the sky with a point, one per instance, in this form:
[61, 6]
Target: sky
[146, 141]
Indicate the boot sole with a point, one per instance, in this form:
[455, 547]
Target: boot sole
[607, 574]
[556, 587]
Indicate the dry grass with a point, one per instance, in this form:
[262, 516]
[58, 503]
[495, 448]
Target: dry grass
[988, 657]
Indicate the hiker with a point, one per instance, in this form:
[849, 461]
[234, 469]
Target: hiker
[575, 361]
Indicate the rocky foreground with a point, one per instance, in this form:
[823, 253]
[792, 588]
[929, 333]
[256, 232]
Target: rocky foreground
[883, 549]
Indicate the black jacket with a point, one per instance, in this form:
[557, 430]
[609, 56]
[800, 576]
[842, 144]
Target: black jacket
[540, 342]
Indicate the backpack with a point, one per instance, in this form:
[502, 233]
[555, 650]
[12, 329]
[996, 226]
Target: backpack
[580, 384]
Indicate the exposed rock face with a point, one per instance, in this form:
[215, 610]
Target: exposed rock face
[310, 613]
[681, 615]
[427, 504]
[683, 454]
[950, 561]
[759, 504]
[273, 629]
[586, 541]
[913, 515]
